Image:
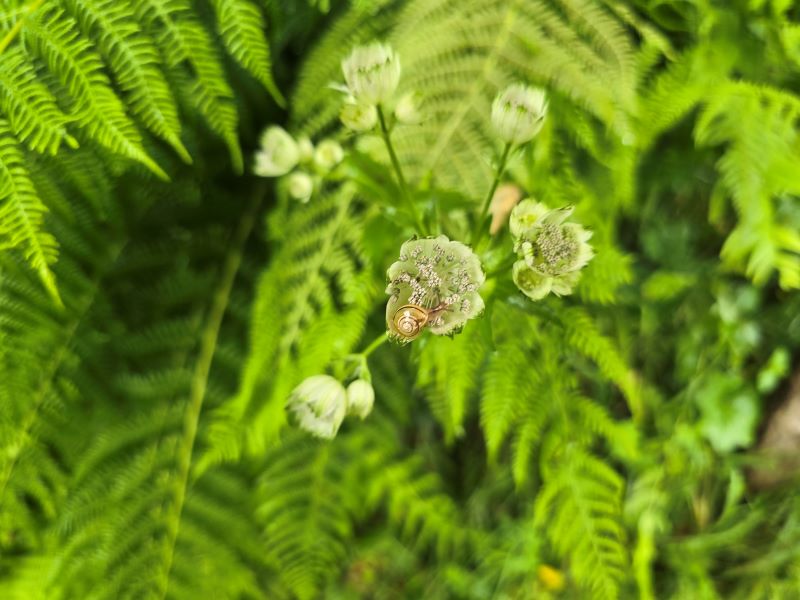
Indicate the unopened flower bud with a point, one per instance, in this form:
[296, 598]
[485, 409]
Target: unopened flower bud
[360, 398]
[358, 117]
[301, 186]
[278, 154]
[328, 154]
[518, 113]
[305, 150]
[318, 405]
[372, 73]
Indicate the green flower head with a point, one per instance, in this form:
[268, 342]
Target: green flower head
[433, 286]
[318, 405]
[552, 252]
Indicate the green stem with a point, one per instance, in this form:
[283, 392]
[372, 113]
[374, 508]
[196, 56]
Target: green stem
[199, 382]
[376, 343]
[14, 31]
[477, 233]
[401, 180]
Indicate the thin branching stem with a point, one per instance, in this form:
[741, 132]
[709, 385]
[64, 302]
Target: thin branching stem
[477, 233]
[376, 343]
[401, 180]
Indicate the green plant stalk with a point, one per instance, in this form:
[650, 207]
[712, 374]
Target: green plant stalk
[376, 343]
[14, 31]
[477, 233]
[401, 180]
[199, 383]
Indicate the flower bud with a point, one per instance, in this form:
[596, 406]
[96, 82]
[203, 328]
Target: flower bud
[358, 117]
[407, 109]
[360, 398]
[372, 73]
[305, 150]
[318, 405]
[327, 155]
[301, 186]
[278, 154]
[518, 113]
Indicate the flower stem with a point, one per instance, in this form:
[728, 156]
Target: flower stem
[376, 343]
[399, 173]
[477, 233]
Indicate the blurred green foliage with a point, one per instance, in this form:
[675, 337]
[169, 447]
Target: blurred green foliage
[594, 446]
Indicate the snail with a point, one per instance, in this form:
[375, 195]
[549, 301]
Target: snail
[409, 320]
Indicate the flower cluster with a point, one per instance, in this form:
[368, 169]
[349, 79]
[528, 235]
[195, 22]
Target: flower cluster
[371, 75]
[433, 286]
[320, 403]
[279, 153]
[551, 251]
[518, 113]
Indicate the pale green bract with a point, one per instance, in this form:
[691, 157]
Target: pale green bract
[301, 186]
[518, 113]
[318, 405]
[360, 398]
[358, 117]
[278, 153]
[372, 73]
[551, 251]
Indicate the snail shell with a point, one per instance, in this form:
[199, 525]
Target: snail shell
[409, 320]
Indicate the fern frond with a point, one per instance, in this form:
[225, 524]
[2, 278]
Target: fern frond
[54, 38]
[759, 126]
[242, 29]
[580, 503]
[22, 212]
[446, 372]
[135, 63]
[183, 40]
[318, 288]
[29, 106]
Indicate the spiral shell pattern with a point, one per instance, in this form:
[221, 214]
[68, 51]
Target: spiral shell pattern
[409, 320]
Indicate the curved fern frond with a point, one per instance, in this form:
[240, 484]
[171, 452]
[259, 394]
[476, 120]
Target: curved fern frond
[581, 505]
[242, 29]
[135, 63]
[54, 38]
[183, 40]
[22, 212]
[29, 106]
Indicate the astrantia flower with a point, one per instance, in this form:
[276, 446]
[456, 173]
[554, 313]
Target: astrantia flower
[318, 405]
[433, 286]
[518, 113]
[301, 186]
[358, 117]
[328, 154]
[360, 398]
[372, 73]
[551, 251]
[278, 154]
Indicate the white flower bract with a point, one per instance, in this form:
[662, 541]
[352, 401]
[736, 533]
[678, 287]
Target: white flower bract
[318, 405]
[518, 113]
[300, 186]
[278, 153]
[360, 398]
[372, 73]
[327, 155]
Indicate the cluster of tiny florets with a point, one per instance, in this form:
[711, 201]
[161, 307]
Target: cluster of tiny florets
[439, 276]
[551, 251]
